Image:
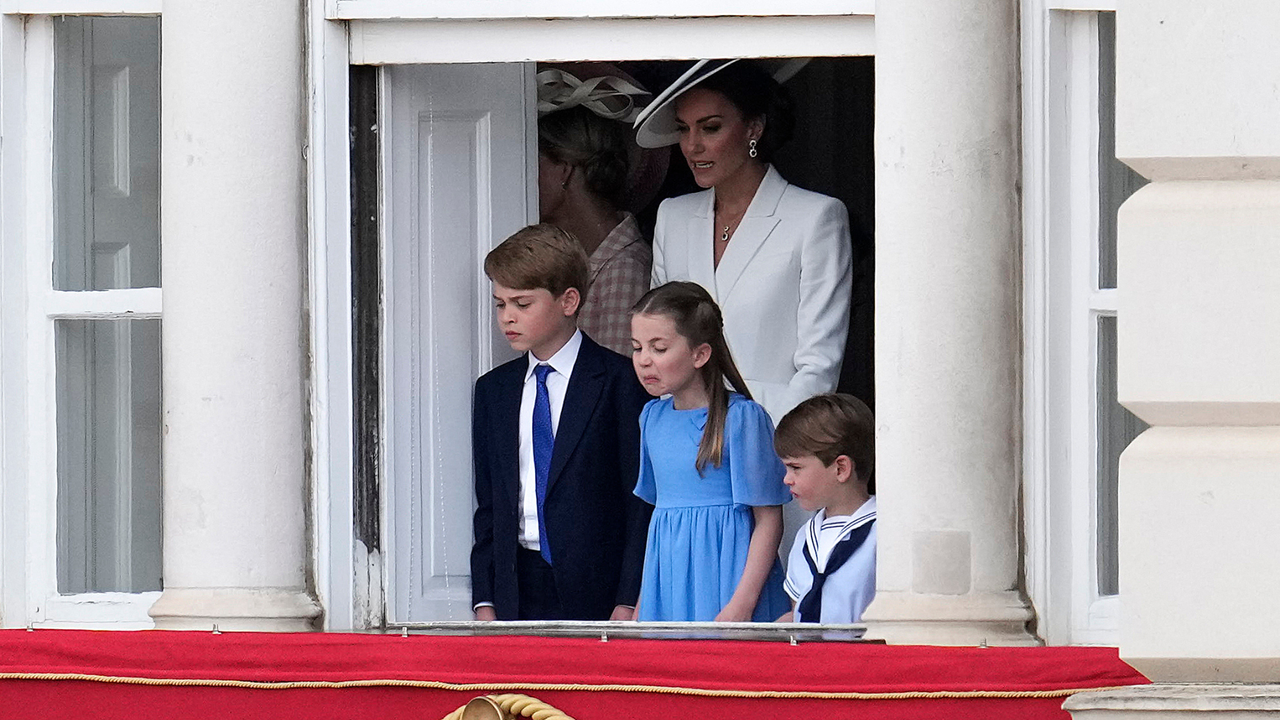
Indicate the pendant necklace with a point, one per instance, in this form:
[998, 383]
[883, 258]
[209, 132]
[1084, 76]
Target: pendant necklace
[730, 222]
[724, 234]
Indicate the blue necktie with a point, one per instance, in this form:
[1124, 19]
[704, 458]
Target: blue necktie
[544, 441]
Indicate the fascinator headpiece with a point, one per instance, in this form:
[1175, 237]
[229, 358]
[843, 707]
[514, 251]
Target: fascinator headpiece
[608, 96]
[608, 92]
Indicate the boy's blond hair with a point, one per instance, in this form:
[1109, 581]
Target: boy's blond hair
[540, 256]
[828, 426]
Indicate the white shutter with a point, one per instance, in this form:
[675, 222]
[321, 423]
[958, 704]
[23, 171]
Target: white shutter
[460, 164]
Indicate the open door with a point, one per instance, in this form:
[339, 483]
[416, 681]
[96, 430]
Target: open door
[460, 163]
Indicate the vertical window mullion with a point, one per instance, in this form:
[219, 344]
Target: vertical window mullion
[37, 165]
[1081, 197]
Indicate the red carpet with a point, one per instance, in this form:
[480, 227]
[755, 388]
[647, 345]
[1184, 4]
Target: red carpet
[82, 674]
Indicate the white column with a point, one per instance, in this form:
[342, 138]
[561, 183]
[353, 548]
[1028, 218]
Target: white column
[947, 330]
[235, 366]
[1199, 339]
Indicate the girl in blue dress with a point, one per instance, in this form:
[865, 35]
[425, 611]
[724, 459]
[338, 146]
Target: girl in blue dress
[707, 466]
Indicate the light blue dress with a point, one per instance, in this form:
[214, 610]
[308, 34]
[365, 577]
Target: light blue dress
[701, 527]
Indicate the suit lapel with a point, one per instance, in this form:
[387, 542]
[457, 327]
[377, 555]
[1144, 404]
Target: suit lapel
[507, 445]
[758, 222]
[702, 264]
[580, 400]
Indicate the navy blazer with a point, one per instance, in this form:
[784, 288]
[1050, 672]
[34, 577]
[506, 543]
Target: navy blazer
[596, 526]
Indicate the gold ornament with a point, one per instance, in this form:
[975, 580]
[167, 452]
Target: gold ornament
[511, 706]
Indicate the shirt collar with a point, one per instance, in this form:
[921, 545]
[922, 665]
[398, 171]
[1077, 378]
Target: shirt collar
[562, 362]
[866, 512]
[868, 509]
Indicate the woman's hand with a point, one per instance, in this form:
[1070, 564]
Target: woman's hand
[735, 612]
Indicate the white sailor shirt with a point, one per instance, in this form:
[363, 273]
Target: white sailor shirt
[850, 587]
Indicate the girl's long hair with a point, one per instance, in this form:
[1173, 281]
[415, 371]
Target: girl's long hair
[697, 318]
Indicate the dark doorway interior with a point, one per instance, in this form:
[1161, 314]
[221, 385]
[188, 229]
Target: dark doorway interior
[831, 153]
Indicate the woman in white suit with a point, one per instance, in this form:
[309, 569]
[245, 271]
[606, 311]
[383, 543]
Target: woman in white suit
[776, 258]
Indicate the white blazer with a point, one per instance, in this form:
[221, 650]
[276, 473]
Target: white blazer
[783, 284]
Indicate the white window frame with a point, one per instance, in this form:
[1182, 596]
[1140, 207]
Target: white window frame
[350, 581]
[524, 39]
[20, 8]
[348, 578]
[1062, 304]
[28, 445]
[582, 9]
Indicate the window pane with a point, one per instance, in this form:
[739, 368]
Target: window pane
[106, 153]
[1115, 179]
[108, 390]
[1117, 427]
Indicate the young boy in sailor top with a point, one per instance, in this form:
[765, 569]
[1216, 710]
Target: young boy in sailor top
[827, 444]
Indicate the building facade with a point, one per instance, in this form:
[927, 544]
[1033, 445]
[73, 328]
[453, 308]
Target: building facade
[241, 306]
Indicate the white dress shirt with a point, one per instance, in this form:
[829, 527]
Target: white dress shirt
[557, 384]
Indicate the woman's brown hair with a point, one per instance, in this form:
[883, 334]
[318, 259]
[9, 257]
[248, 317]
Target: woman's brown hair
[595, 145]
[697, 318]
[754, 92]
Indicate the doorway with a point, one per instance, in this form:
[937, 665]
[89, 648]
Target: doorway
[457, 162]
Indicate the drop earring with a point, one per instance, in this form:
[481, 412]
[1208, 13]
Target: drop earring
[751, 145]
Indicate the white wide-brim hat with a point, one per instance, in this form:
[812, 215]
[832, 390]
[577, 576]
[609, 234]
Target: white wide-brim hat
[656, 125]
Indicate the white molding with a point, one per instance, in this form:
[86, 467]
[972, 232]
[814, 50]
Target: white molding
[137, 303]
[15, 384]
[524, 40]
[1083, 5]
[100, 611]
[329, 270]
[542, 9]
[80, 7]
[1036, 451]
[388, 406]
[1103, 302]
[41, 569]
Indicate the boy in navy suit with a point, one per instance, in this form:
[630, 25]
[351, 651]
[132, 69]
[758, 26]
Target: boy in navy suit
[555, 440]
